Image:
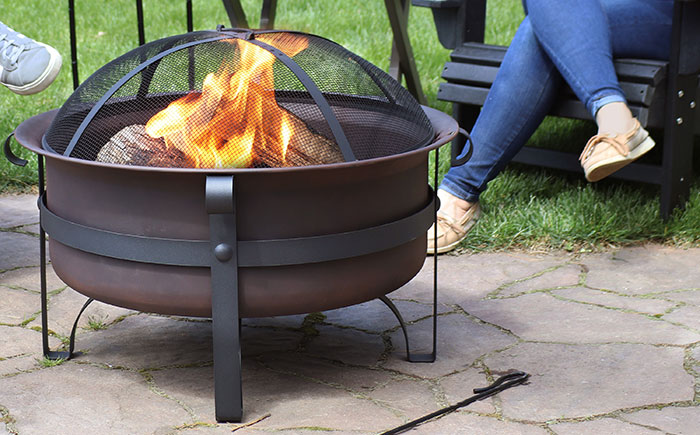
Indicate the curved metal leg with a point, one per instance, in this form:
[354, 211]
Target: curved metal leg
[423, 357]
[48, 353]
[411, 357]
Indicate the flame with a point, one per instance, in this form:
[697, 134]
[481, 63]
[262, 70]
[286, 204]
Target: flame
[234, 115]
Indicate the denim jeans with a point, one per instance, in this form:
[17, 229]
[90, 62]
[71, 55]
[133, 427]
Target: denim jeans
[571, 40]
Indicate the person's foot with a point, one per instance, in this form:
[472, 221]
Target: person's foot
[455, 219]
[606, 153]
[26, 66]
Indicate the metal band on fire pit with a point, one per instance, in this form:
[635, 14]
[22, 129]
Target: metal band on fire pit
[254, 253]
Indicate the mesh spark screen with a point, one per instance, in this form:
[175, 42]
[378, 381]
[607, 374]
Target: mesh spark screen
[228, 98]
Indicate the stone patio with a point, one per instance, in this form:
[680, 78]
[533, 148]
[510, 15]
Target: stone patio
[611, 340]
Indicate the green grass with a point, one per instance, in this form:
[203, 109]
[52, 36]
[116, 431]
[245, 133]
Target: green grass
[523, 208]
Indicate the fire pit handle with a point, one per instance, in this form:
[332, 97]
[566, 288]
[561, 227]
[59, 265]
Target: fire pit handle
[458, 161]
[9, 155]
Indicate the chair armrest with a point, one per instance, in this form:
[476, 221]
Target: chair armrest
[457, 21]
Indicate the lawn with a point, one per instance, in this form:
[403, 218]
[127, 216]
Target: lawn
[523, 208]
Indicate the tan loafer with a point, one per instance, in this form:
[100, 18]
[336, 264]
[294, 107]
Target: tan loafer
[451, 232]
[605, 154]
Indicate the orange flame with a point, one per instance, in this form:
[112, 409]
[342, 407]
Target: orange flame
[235, 114]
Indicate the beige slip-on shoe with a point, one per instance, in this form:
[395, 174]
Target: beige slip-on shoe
[605, 154]
[450, 232]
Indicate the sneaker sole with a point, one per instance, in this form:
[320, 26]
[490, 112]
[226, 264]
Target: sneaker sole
[606, 167]
[45, 79]
[451, 246]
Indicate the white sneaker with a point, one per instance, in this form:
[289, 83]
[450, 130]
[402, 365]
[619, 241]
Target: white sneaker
[26, 66]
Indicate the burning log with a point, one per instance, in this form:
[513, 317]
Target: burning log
[133, 146]
[303, 149]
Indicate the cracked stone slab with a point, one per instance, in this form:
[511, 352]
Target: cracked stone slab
[20, 341]
[460, 342]
[63, 398]
[691, 297]
[33, 229]
[676, 420]
[641, 305]
[541, 317]
[466, 423]
[18, 250]
[257, 341]
[688, 316]
[227, 429]
[459, 386]
[65, 306]
[28, 278]
[573, 381]
[361, 380]
[696, 353]
[454, 284]
[145, 341]
[413, 399]
[644, 270]
[291, 401]
[564, 276]
[150, 341]
[346, 345]
[19, 364]
[280, 322]
[17, 306]
[18, 210]
[376, 317]
[601, 426]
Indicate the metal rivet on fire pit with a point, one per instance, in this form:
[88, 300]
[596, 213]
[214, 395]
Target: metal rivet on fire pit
[223, 252]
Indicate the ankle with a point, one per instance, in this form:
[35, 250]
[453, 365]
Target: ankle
[614, 118]
[453, 206]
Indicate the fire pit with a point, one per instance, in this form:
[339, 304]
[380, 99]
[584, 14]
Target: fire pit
[236, 174]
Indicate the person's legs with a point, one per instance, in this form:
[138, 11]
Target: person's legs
[26, 66]
[519, 99]
[596, 31]
[581, 38]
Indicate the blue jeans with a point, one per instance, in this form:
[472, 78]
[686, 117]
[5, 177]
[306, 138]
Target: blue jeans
[573, 40]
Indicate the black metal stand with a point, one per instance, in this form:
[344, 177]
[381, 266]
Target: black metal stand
[425, 357]
[224, 254]
[48, 353]
[220, 203]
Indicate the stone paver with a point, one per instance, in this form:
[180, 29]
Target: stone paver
[574, 381]
[611, 340]
[602, 426]
[688, 316]
[682, 421]
[573, 322]
[640, 305]
[64, 398]
[18, 250]
[65, 305]
[18, 210]
[18, 306]
[626, 271]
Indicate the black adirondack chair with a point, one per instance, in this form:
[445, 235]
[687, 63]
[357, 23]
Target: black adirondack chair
[661, 94]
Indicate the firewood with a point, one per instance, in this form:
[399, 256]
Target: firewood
[133, 146]
[305, 148]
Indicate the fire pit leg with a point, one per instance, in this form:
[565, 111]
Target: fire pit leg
[48, 353]
[424, 357]
[220, 205]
